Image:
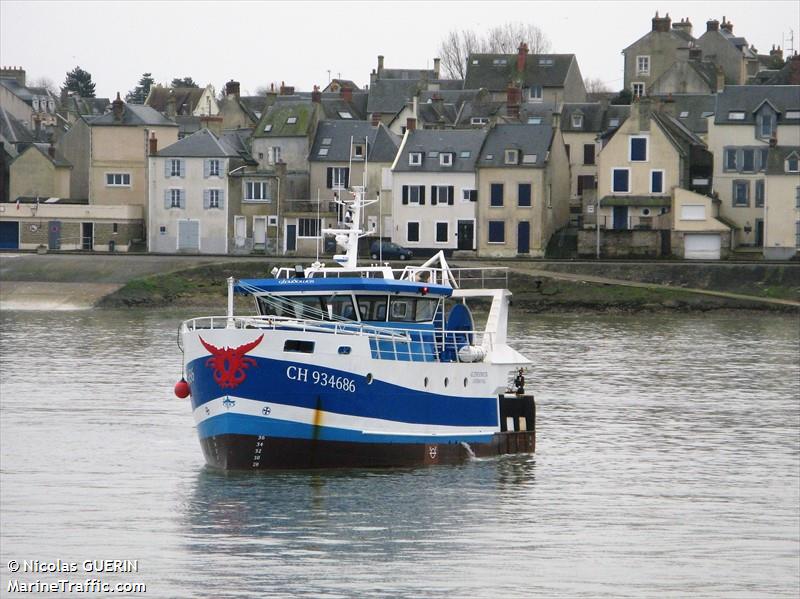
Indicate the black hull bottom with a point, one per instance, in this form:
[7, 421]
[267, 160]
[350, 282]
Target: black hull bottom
[250, 452]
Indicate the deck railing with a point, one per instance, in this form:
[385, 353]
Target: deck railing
[386, 343]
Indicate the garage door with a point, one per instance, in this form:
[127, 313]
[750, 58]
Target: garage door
[189, 235]
[9, 235]
[702, 247]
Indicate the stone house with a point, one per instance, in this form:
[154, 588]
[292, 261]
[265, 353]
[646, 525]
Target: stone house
[35, 107]
[39, 172]
[523, 189]
[242, 112]
[746, 120]
[435, 190]
[782, 203]
[737, 60]
[183, 101]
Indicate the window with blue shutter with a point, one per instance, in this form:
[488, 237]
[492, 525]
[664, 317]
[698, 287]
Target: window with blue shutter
[221, 200]
[183, 198]
[620, 180]
[748, 160]
[638, 149]
[524, 197]
[497, 231]
[496, 198]
[206, 199]
[730, 159]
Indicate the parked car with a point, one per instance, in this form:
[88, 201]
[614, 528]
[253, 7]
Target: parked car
[389, 251]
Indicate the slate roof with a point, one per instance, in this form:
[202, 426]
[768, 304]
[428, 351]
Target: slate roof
[133, 115]
[789, 74]
[12, 130]
[776, 158]
[382, 144]
[482, 70]
[676, 36]
[680, 135]
[415, 74]
[43, 148]
[203, 144]
[24, 93]
[696, 105]
[343, 83]
[85, 106]
[747, 98]
[286, 107]
[255, 106]
[390, 95]
[530, 140]
[186, 98]
[442, 140]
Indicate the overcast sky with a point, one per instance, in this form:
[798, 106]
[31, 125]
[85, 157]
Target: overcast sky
[299, 42]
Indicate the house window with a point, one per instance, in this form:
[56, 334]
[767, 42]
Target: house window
[730, 159]
[176, 168]
[446, 159]
[275, 155]
[414, 194]
[529, 158]
[759, 199]
[496, 198]
[534, 120]
[762, 159]
[115, 228]
[291, 120]
[497, 231]
[267, 128]
[642, 65]
[741, 193]
[767, 124]
[577, 121]
[213, 198]
[256, 191]
[441, 232]
[345, 115]
[620, 180]
[684, 114]
[308, 227]
[613, 122]
[412, 232]
[524, 195]
[536, 93]
[792, 115]
[588, 154]
[441, 195]
[736, 115]
[358, 151]
[175, 198]
[656, 181]
[326, 141]
[637, 89]
[323, 152]
[469, 195]
[213, 168]
[512, 156]
[478, 120]
[546, 61]
[415, 159]
[118, 179]
[162, 230]
[338, 177]
[792, 164]
[748, 160]
[638, 149]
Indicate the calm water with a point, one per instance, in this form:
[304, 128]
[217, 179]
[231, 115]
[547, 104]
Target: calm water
[668, 464]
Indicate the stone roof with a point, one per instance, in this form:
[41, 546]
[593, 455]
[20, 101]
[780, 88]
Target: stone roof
[776, 159]
[464, 144]
[133, 115]
[679, 135]
[747, 98]
[186, 98]
[789, 74]
[202, 144]
[596, 118]
[415, 74]
[530, 141]
[85, 106]
[334, 136]
[276, 121]
[696, 108]
[57, 160]
[495, 71]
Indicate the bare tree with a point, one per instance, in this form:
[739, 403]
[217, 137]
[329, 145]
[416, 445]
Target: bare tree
[47, 84]
[456, 47]
[595, 85]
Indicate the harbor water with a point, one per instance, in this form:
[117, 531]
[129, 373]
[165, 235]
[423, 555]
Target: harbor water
[667, 465]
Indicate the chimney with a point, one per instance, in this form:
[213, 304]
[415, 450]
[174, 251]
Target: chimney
[712, 25]
[776, 52]
[286, 90]
[15, 73]
[346, 93]
[153, 144]
[513, 99]
[683, 25]
[436, 65]
[171, 112]
[232, 88]
[380, 65]
[51, 151]
[411, 124]
[376, 119]
[661, 24]
[37, 126]
[212, 123]
[727, 25]
[720, 79]
[316, 95]
[118, 107]
[522, 55]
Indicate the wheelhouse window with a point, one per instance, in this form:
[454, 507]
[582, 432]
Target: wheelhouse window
[412, 309]
[308, 307]
[372, 307]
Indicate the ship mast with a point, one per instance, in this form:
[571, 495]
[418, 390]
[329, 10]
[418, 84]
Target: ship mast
[347, 237]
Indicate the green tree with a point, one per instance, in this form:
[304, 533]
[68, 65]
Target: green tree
[139, 93]
[79, 82]
[623, 97]
[183, 82]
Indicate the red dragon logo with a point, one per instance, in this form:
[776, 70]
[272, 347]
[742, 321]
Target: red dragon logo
[229, 363]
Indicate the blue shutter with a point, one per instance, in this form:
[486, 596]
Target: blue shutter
[167, 199]
[168, 168]
[183, 197]
[206, 199]
[221, 199]
[206, 168]
[182, 167]
[330, 180]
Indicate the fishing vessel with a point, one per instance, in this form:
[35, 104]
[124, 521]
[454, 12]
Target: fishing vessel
[356, 366]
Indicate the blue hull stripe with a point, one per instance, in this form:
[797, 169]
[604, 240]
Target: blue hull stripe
[243, 424]
[268, 382]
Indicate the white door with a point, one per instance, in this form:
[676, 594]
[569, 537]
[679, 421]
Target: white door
[189, 235]
[701, 247]
[239, 230]
[259, 231]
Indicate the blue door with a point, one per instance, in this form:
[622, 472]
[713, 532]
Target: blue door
[523, 237]
[54, 235]
[9, 235]
[620, 217]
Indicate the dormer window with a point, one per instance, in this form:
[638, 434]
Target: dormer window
[529, 159]
[291, 120]
[465, 154]
[792, 115]
[613, 122]
[512, 156]
[358, 151]
[345, 115]
[545, 61]
[326, 141]
[446, 159]
[267, 128]
[499, 62]
[475, 61]
[577, 121]
[736, 115]
[534, 120]
[684, 114]
[478, 120]
[766, 124]
[793, 163]
[415, 159]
